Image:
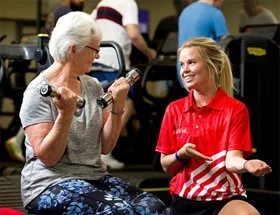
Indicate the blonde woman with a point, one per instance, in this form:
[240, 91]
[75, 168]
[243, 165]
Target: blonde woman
[205, 140]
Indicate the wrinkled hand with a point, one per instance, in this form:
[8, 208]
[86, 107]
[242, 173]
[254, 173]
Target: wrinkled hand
[119, 90]
[66, 102]
[257, 167]
[188, 150]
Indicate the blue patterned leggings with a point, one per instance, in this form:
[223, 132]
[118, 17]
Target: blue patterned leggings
[109, 195]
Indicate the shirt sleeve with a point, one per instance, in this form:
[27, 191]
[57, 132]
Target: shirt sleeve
[35, 108]
[130, 13]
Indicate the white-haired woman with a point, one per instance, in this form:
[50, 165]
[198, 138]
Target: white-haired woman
[64, 173]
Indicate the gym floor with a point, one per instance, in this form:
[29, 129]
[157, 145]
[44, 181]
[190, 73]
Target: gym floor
[140, 175]
[267, 202]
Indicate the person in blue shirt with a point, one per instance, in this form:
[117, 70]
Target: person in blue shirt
[202, 19]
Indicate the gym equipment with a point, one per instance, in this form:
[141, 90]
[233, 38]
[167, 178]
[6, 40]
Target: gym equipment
[271, 31]
[2, 76]
[49, 90]
[132, 76]
[120, 57]
[157, 88]
[18, 51]
[169, 46]
[42, 54]
[256, 69]
[16, 60]
[121, 71]
[2, 87]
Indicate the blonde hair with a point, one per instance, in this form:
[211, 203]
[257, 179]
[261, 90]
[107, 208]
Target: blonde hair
[216, 60]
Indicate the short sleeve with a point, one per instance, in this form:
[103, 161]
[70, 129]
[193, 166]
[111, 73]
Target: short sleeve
[35, 108]
[130, 13]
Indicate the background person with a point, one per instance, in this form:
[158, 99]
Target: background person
[118, 21]
[64, 172]
[254, 13]
[205, 138]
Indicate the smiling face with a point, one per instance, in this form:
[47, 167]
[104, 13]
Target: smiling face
[194, 72]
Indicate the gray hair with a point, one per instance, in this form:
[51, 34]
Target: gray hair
[77, 28]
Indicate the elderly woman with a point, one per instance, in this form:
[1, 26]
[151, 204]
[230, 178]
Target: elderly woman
[64, 173]
[205, 138]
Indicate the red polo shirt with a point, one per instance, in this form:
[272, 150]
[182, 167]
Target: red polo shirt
[215, 129]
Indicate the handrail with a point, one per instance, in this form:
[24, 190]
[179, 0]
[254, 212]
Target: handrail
[2, 77]
[27, 51]
[119, 53]
[18, 51]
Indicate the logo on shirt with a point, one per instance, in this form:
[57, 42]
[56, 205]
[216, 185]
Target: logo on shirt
[180, 131]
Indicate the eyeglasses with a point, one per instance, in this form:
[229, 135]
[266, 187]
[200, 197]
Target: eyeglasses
[94, 49]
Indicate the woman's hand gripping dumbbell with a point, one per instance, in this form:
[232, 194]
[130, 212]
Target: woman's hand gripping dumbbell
[49, 90]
